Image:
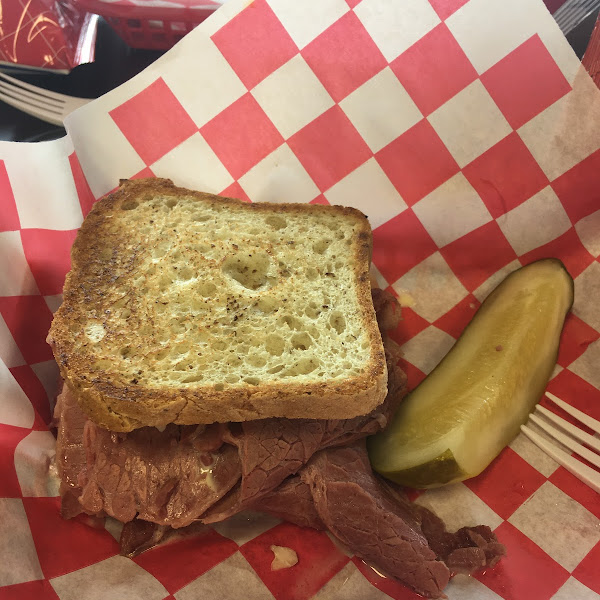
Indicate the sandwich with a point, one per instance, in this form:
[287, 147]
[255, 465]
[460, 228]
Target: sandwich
[219, 356]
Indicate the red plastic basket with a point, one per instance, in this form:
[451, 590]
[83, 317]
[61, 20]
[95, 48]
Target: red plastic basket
[142, 25]
[591, 59]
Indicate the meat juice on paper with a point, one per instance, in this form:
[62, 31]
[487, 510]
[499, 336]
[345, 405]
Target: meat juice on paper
[511, 164]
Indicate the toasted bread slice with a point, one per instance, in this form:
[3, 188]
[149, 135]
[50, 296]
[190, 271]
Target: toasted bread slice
[185, 307]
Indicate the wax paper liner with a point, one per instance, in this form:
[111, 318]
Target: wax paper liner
[469, 134]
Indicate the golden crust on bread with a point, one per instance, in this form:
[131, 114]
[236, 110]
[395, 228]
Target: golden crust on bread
[186, 307]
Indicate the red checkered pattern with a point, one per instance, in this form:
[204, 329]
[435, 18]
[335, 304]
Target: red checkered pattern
[450, 215]
[241, 135]
[344, 57]
[534, 76]
[318, 561]
[431, 83]
[487, 174]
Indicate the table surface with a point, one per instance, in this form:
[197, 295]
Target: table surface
[115, 63]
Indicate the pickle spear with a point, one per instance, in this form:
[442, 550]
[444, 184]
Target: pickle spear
[472, 404]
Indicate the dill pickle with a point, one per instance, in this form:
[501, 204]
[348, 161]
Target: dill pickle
[472, 404]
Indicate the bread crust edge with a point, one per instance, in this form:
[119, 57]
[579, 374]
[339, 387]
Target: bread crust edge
[123, 408]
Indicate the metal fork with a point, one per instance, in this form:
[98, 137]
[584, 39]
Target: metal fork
[588, 475]
[51, 107]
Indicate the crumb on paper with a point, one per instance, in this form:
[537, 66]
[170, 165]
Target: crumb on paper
[499, 348]
[406, 300]
[284, 558]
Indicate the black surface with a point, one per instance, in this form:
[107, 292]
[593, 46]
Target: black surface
[116, 63]
[580, 36]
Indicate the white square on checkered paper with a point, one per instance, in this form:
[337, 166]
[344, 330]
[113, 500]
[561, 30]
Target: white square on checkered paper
[279, 177]
[482, 292]
[586, 366]
[381, 109]
[194, 165]
[476, 25]
[452, 210]
[304, 24]
[426, 349]
[568, 131]
[43, 186]
[16, 278]
[588, 230]
[292, 96]
[15, 407]
[368, 189]
[587, 292]
[396, 26]
[548, 511]
[18, 557]
[377, 279]
[232, 578]
[33, 456]
[534, 223]
[10, 354]
[210, 26]
[115, 577]
[459, 507]
[99, 136]
[349, 584]
[469, 123]
[208, 87]
[575, 590]
[533, 455]
[53, 302]
[245, 526]
[433, 286]
[465, 587]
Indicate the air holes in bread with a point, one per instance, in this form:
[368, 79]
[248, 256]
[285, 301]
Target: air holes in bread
[291, 322]
[301, 341]
[338, 322]
[206, 288]
[266, 304]
[320, 246]
[303, 367]
[311, 273]
[249, 270]
[275, 345]
[276, 222]
[258, 361]
[129, 205]
[185, 273]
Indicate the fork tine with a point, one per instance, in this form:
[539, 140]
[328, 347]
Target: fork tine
[26, 102]
[33, 88]
[28, 98]
[581, 471]
[565, 440]
[42, 114]
[582, 436]
[9, 88]
[580, 416]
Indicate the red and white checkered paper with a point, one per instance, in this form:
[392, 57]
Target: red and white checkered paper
[466, 131]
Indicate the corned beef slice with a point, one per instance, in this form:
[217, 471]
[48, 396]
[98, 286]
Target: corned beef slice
[304, 471]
